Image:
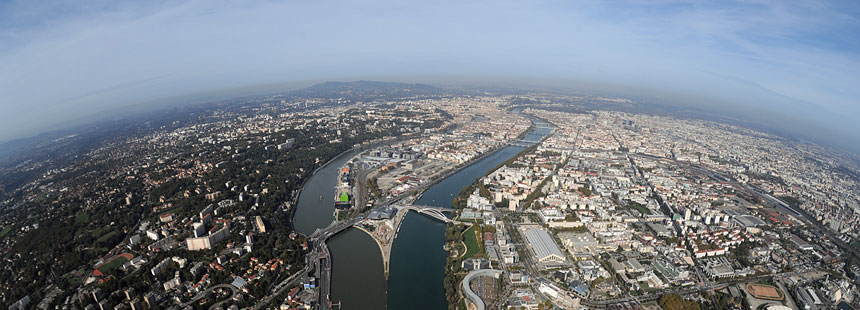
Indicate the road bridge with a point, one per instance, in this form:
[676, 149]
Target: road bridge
[520, 143]
[383, 231]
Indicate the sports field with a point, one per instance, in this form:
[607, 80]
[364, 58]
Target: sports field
[112, 264]
[765, 291]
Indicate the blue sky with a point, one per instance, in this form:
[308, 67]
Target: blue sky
[61, 61]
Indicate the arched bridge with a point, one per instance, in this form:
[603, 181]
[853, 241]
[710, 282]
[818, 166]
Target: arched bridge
[336, 227]
[435, 212]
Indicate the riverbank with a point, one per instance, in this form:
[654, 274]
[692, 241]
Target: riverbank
[454, 275]
[307, 215]
[295, 200]
[456, 169]
[418, 259]
[318, 218]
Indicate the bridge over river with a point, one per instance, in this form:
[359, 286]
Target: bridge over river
[383, 230]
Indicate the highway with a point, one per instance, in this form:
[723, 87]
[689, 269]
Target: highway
[361, 188]
[323, 265]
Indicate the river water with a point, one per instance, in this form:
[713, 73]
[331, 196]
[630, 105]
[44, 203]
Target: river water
[417, 267]
[316, 202]
[358, 278]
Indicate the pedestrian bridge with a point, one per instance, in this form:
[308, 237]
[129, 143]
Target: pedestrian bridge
[435, 212]
[384, 237]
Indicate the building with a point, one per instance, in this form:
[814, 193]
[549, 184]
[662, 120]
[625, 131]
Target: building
[133, 240]
[136, 304]
[22, 303]
[199, 229]
[207, 210]
[166, 218]
[239, 282]
[470, 264]
[550, 215]
[578, 241]
[579, 288]
[170, 284]
[261, 227]
[634, 266]
[475, 201]
[543, 246]
[382, 213]
[160, 267]
[206, 242]
[286, 145]
[719, 268]
[801, 244]
[152, 235]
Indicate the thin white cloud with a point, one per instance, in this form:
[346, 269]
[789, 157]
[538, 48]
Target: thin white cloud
[69, 64]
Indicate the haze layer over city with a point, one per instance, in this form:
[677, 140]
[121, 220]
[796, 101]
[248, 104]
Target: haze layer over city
[446, 155]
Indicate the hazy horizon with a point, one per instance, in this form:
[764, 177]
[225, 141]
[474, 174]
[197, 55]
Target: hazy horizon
[796, 63]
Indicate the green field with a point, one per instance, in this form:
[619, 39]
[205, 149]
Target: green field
[72, 280]
[638, 207]
[471, 240]
[82, 218]
[114, 264]
[5, 231]
[106, 237]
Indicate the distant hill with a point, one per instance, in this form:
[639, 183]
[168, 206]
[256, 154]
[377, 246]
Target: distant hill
[369, 90]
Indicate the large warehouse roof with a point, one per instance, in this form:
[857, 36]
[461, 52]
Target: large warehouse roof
[543, 245]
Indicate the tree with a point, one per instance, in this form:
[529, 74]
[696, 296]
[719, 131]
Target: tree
[676, 302]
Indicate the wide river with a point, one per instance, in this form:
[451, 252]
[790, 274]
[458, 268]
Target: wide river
[417, 267]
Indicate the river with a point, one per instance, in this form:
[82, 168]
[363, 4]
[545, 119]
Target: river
[316, 202]
[358, 279]
[417, 267]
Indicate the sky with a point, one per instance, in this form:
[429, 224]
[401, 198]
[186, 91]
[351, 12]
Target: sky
[62, 61]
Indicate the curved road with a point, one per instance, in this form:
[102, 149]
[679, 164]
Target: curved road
[202, 294]
[468, 290]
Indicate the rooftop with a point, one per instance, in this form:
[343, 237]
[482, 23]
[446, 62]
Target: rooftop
[542, 244]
